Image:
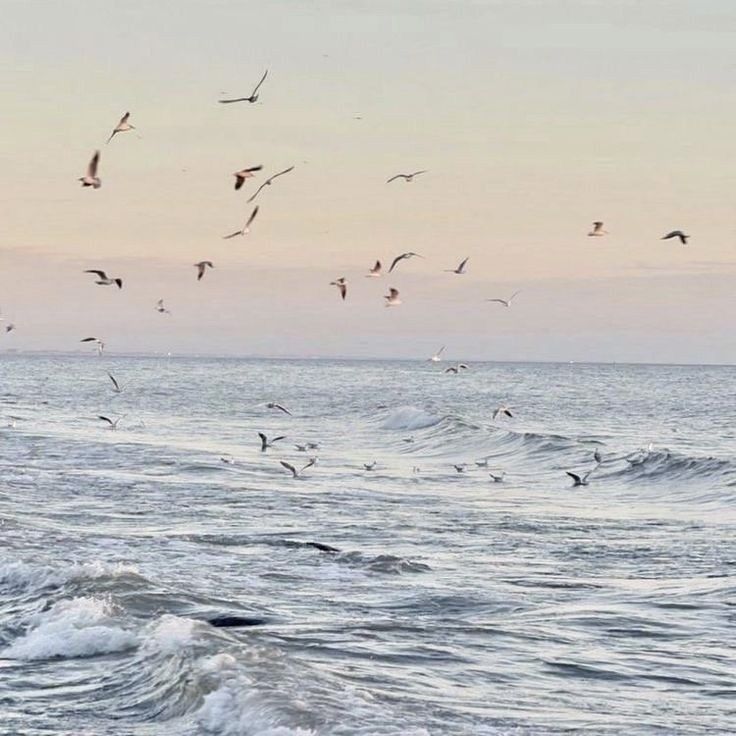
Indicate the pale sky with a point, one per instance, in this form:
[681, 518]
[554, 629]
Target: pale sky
[533, 117]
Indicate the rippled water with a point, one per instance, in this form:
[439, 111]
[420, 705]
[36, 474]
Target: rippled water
[390, 602]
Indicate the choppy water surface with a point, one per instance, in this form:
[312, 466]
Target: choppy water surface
[450, 604]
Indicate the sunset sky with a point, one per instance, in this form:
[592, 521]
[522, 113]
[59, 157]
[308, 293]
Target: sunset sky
[533, 117]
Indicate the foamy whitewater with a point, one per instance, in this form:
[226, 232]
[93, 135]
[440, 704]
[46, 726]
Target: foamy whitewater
[148, 587]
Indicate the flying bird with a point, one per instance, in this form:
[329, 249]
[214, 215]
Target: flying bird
[116, 387]
[90, 179]
[460, 270]
[410, 254]
[677, 234]
[266, 443]
[505, 302]
[597, 231]
[243, 174]
[8, 327]
[104, 280]
[392, 300]
[437, 357]
[497, 478]
[121, 127]
[342, 285]
[406, 177]
[100, 343]
[269, 181]
[456, 368]
[160, 308]
[482, 463]
[503, 411]
[375, 272]
[370, 466]
[274, 405]
[578, 480]
[113, 424]
[253, 96]
[296, 473]
[201, 267]
[460, 468]
[246, 227]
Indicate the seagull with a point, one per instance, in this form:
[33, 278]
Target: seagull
[505, 302]
[296, 473]
[243, 174]
[254, 95]
[402, 257]
[274, 405]
[265, 443]
[460, 468]
[460, 270]
[246, 227]
[90, 179]
[375, 272]
[597, 231]
[313, 445]
[228, 459]
[104, 280]
[503, 411]
[121, 127]
[111, 423]
[497, 478]
[578, 480]
[160, 308]
[116, 387]
[677, 234]
[8, 327]
[370, 466]
[437, 357]
[482, 463]
[269, 181]
[392, 300]
[456, 368]
[201, 267]
[598, 457]
[342, 285]
[406, 177]
[100, 344]
[300, 448]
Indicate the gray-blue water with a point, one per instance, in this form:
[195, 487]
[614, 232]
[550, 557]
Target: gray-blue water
[453, 604]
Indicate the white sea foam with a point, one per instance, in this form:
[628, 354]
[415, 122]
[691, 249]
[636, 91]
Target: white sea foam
[409, 417]
[171, 634]
[80, 627]
[17, 575]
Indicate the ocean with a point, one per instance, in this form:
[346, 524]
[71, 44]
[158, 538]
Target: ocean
[170, 577]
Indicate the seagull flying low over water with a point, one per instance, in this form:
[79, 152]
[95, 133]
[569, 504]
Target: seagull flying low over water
[460, 468]
[403, 256]
[498, 478]
[201, 267]
[104, 280]
[274, 405]
[160, 308]
[392, 300]
[296, 473]
[243, 174]
[121, 127]
[253, 96]
[246, 227]
[113, 424]
[456, 368]
[597, 231]
[8, 327]
[503, 411]
[375, 272]
[100, 344]
[406, 177]
[266, 443]
[370, 466]
[437, 357]
[342, 285]
[505, 302]
[90, 179]
[578, 480]
[116, 387]
[269, 181]
[460, 270]
[677, 234]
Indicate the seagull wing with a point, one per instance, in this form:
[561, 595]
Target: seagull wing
[574, 476]
[89, 339]
[252, 217]
[462, 265]
[393, 178]
[114, 382]
[280, 437]
[343, 290]
[500, 301]
[393, 292]
[239, 179]
[257, 192]
[396, 260]
[236, 99]
[281, 173]
[92, 167]
[101, 274]
[416, 173]
[232, 235]
[106, 419]
[283, 409]
[263, 79]
[289, 467]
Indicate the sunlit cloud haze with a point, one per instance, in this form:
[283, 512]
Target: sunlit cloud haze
[533, 119]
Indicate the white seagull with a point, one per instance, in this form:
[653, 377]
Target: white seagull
[460, 468]
[246, 227]
[578, 480]
[296, 473]
[121, 127]
[505, 302]
[370, 466]
[410, 254]
[201, 267]
[253, 95]
[460, 270]
[375, 272]
[456, 368]
[503, 411]
[597, 231]
[266, 443]
[342, 285]
[160, 308]
[243, 174]
[498, 478]
[104, 280]
[269, 181]
[274, 405]
[90, 179]
[406, 177]
[100, 344]
[392, 300]
[437, 357]
[677, 234]
[113, 424]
